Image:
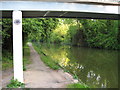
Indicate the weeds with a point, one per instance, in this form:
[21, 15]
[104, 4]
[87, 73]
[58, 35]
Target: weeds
[77, 85]
[15, 84]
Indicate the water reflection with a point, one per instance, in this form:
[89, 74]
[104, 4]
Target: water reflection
[96, 68]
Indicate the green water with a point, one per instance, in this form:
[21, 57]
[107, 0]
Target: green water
[95, 67]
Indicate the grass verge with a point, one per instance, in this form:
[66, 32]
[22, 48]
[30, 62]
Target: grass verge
[77, 85]
[7, 58]
[26, 56]
[46, 59]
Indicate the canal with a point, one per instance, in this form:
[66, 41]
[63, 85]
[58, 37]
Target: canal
[97, 68]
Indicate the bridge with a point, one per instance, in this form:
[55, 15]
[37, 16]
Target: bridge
[15, 9]
[73, 9]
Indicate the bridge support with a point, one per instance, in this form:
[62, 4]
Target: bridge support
[17, 46]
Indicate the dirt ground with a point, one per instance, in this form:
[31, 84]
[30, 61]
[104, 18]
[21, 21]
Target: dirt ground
[38, 75]
[6, 77]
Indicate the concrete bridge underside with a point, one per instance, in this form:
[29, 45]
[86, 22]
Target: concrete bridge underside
[61, 14]
[60, 9]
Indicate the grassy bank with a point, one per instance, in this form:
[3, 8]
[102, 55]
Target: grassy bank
[77, 85]
[54, 65]
[7, 58]
[26, 56]
[47, 59]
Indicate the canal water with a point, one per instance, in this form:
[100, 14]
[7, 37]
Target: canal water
[97, 68]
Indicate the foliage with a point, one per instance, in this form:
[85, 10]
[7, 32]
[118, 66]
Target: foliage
[6, 43]
[93, 33]
[39, 29]
[100, 33]
[103, 34]
[15, 84]
[80, 32]
[73, 34]
[59, 34]
[77, 85]
[7, 60]
[64, 31]
[33, 29]
[6, 34]
[75, 77]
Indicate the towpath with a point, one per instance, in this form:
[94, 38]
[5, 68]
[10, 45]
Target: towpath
[38, 75]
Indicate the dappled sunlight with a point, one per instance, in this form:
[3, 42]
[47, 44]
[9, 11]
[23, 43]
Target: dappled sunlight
[64, 62]
[62, 30]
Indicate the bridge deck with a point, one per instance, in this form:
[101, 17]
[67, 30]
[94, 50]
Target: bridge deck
[35, 9]
[107, 2]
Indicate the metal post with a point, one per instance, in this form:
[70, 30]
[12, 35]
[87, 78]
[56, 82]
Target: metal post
[17, 46]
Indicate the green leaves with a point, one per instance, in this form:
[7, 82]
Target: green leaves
[39, 29]
[78, 85]
[87, 32]
[101, 33]
[82, 32]
[15, 84]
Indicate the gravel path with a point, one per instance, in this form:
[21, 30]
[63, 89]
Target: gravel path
[38, 75]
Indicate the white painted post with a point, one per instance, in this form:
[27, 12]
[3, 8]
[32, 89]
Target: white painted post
[17, 46]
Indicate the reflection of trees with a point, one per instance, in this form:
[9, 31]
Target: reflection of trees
[97, 68]
[101, 62]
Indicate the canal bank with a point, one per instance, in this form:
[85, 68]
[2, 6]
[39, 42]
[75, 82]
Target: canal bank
[96, 68]
[38, 75]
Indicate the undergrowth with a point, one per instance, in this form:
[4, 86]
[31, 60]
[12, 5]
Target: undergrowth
[77, 85]
[7, 58]
[15, 84]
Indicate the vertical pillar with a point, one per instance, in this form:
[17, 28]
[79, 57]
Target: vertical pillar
[17, 46]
